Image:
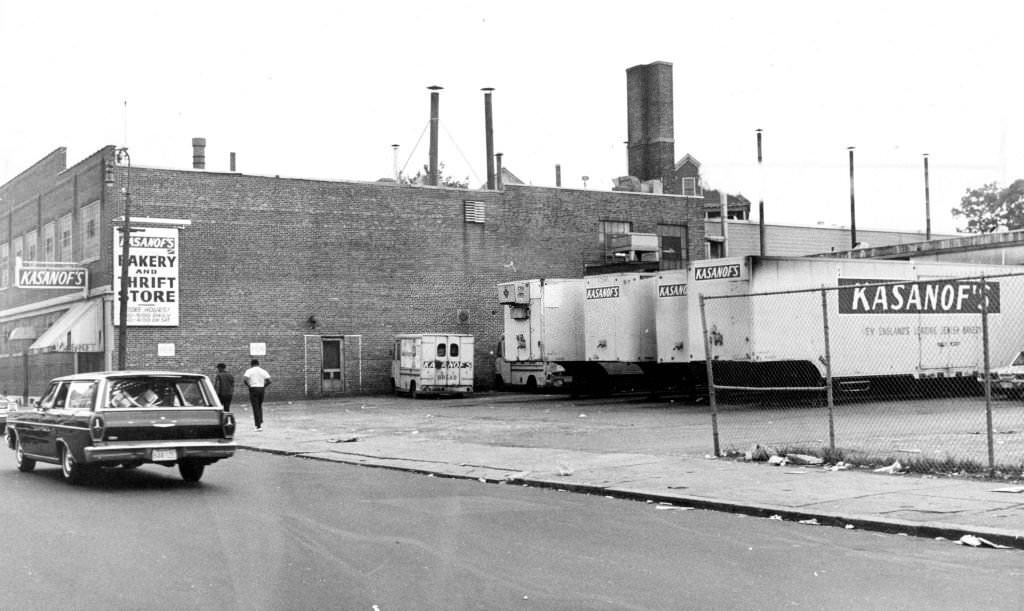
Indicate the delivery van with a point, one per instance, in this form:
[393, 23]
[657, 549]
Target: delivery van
[432, 364]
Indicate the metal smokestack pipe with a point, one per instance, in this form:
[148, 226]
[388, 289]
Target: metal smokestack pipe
[497, 162]
[558, 175]
[199, 153]
[394, 162]
[489, 131]
[435, 103]
[232, 161]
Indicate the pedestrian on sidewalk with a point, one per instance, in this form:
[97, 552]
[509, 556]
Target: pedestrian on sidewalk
[256, 379]
[224, 384]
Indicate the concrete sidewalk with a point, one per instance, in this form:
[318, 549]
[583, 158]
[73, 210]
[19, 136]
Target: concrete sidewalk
[539, 441]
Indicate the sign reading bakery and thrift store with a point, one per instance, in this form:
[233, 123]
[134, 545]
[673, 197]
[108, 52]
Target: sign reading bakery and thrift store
[152, 276]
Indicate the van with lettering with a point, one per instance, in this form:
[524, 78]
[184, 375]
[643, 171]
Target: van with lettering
[432, 364]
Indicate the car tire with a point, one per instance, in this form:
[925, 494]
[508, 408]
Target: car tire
[191, 470]
[531, 384]
[24, 463]
[412, 390]
[72, 470]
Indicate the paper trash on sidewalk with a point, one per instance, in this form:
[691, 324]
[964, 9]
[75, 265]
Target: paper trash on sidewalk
[974, 541]
[804, 459]
[343, 440]
[1012, 489]
[777, 461]
[895, 469]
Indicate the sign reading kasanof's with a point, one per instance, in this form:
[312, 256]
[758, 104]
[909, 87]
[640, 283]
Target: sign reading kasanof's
[672, 290]
[152, 276]
[924, 297]
[49, 276]
[717, 272]
[603, 292]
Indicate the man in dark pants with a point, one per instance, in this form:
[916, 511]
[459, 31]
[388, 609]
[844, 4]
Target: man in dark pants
[256, 379]
[224, 384]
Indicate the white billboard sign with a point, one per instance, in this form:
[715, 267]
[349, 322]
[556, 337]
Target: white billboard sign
[152, 276]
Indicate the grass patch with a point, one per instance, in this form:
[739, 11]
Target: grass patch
[946, 466]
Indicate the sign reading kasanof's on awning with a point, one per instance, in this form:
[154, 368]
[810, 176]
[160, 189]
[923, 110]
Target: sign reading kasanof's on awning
[47, 275]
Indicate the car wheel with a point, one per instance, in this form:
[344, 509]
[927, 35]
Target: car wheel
[191, 470]
[72, 470]
[412, 390]
[24, 463]
[531, 384]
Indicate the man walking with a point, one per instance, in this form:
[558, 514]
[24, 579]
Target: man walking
[224, 384]
[256, 379]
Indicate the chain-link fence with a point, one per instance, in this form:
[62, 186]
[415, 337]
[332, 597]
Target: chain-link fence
[928, 372]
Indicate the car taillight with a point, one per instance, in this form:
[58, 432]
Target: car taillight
[228, 422]
[97, 427]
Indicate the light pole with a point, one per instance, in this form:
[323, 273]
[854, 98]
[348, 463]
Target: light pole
[853, 207]
[927, 203]
[760, 189]
[120, 155]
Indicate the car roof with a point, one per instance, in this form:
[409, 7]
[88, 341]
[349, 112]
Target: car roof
[127, 373]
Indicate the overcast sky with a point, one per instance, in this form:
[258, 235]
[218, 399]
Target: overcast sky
[323, 89]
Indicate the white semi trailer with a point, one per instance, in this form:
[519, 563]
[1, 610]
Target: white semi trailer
[544, 326]
[926, 324]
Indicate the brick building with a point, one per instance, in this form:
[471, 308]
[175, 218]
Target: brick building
[312, 277]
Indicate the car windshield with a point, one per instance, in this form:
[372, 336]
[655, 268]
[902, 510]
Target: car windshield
[157, 392]
[1019, 361]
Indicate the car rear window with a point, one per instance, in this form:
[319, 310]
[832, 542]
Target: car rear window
[157, 392]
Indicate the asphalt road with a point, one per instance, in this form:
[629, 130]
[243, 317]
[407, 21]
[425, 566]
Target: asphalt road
[273, 532]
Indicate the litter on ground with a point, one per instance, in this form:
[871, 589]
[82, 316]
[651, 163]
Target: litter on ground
[975, 541]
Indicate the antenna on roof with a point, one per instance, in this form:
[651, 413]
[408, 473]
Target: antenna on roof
[125, 119]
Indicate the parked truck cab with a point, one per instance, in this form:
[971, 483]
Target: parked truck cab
[432, 364]
[531, 375]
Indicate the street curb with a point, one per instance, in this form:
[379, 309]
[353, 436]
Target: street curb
[950, 532]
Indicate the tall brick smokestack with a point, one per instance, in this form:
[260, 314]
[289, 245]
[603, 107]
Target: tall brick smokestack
[649, 108]
[199, 153]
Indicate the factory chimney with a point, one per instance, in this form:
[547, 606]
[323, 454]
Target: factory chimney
[651, 144]
[435, 102]
[199, 153]
[489, 132]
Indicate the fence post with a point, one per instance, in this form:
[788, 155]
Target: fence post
[711, 377]
[988, 383]
[828, 374]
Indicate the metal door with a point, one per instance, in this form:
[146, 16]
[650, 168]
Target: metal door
[331, 372]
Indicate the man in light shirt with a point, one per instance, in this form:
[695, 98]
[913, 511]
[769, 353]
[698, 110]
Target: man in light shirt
[256, 379]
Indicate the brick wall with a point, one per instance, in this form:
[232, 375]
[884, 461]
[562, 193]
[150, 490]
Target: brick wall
[368, 260]
[262, 254]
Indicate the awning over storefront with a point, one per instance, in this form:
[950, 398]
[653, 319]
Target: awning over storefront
[78, 330]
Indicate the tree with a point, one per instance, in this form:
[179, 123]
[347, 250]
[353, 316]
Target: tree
[988, 208]
[442, 181]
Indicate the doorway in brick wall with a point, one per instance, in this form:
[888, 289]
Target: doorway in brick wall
[332, 368]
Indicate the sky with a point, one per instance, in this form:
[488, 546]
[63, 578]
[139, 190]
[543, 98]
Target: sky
[324, 89]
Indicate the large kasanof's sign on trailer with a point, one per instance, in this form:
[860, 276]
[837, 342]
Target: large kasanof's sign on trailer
[432, 364]
[885, 318]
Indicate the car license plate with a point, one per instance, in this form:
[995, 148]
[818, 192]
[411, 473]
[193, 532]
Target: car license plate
[171, 454]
